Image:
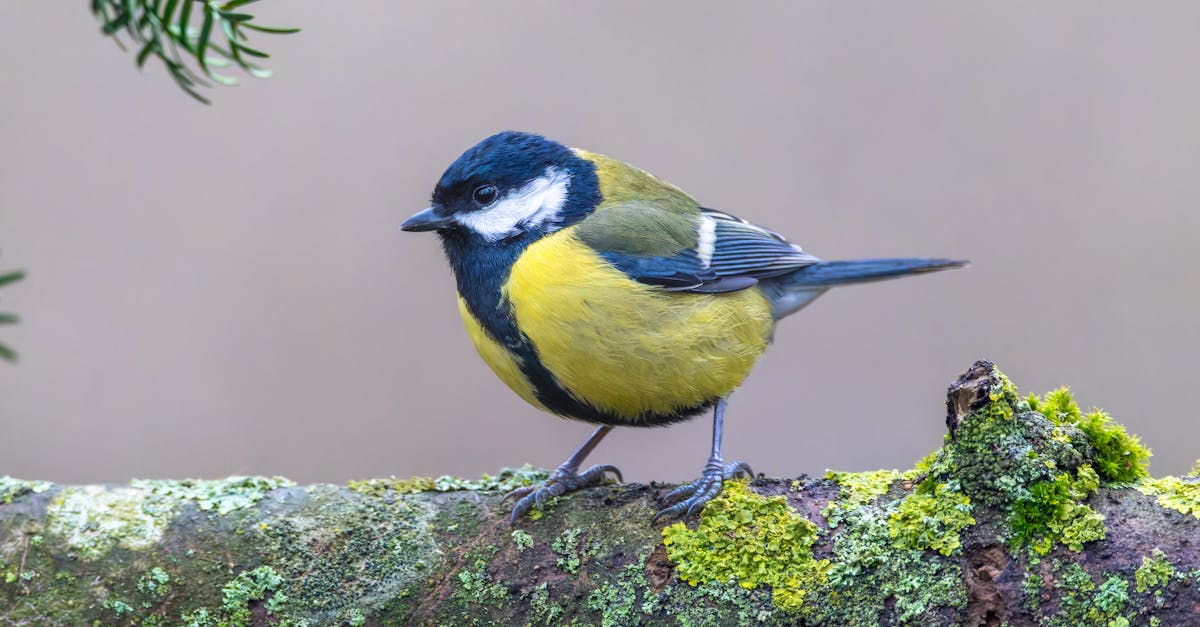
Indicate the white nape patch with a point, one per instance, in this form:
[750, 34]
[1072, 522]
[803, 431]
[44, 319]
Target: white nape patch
[706, 240]
[535, 203]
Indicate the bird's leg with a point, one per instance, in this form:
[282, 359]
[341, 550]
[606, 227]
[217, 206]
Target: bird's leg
[565, 478]
[690, 498]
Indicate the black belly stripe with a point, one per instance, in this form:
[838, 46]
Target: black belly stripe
[551, 393]
[481, 268]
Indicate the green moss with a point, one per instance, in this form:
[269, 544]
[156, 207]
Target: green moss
[509, 479]
[1052, 513]
[1181, 495]
[931, 518]
[1119, 456]
[750, 539]
[11, 488]
[220, 495]
[1154, 572]
[260, 584]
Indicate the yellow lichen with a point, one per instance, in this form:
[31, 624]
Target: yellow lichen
[931, 519]
[1174, 493]
[752, 540]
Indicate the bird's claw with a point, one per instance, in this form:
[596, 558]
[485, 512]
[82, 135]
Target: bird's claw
[689, 499]
[559, 482]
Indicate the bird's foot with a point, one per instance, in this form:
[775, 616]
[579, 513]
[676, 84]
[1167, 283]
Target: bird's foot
[689, 499]
[560, 482]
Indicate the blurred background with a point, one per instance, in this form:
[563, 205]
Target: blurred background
[224, 289]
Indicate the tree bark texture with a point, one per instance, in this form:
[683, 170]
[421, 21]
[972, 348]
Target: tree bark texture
[1022, 518]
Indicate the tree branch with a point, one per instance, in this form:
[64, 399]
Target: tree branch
[1015, 521]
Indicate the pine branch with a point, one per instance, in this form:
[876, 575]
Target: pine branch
[9, 278]
[189, 37]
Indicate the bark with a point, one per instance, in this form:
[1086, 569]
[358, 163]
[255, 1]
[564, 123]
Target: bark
[884, 548]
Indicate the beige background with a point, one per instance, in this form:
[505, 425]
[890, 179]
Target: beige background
[224, 289]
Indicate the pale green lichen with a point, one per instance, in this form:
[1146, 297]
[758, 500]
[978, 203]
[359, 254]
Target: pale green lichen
[11, 488]
[1181, 495]
[868, 572]
[1002, 448]
[542, 610]
[154, 582]
[931, 518]
[119, 607]
[616, 601]
[197, 618]
[386, 542]
[522, 539]
[220, 495]
[921, 469]
[1154, 572]
[507, 480]
[478, 586]
[566, 546]
[260, 584]
[856, 489]
[751, 540]
[1082, 602]
[1032, 460]
[93, 519]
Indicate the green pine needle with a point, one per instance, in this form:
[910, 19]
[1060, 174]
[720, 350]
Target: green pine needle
[9, 278]
[166, 30]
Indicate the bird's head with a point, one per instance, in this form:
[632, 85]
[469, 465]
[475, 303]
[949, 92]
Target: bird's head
[510, 185]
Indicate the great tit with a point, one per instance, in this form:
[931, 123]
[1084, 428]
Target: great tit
[601, 293]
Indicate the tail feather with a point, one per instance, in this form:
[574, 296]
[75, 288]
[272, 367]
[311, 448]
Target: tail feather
[791, 292]
[831, 273]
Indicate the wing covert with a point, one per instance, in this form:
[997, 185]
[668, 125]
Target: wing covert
[704, 251]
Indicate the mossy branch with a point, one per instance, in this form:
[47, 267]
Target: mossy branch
[1033, 513]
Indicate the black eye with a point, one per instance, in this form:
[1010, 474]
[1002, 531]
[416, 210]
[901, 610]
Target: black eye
[484, 195]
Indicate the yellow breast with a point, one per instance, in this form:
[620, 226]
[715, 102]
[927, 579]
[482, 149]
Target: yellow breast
[625, 347]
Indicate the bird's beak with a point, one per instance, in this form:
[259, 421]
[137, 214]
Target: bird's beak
[427, 220]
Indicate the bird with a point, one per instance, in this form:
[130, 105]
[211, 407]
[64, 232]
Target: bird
[601, 293]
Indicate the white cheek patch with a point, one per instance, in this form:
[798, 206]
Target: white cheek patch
[537, 202]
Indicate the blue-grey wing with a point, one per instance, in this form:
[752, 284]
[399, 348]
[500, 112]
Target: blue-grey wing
[729, 254]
